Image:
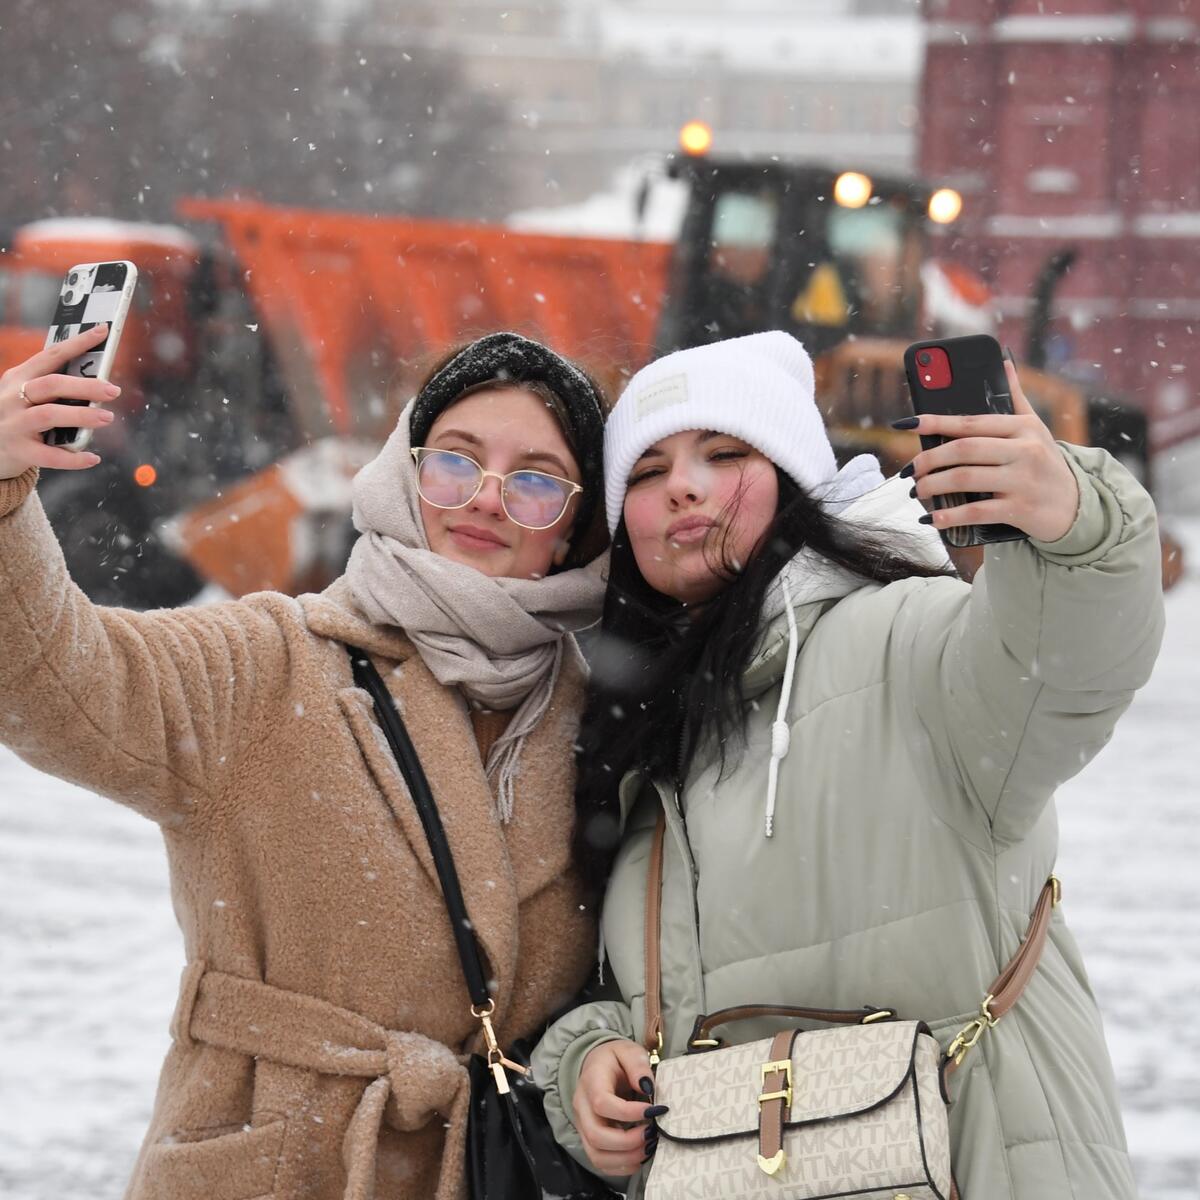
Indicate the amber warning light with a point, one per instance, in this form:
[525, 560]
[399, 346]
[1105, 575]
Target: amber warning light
[944, 206]
[695, 138]
[853, 189]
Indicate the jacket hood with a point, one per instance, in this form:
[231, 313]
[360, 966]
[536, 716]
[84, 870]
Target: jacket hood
[813, 583]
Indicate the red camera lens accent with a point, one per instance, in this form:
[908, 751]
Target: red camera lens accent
[933, 368]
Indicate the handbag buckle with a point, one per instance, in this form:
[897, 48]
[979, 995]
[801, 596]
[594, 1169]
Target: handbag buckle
[657, 1053]
[771, 1068]
[969, 1035]
[877, 1014]
[495, 1056]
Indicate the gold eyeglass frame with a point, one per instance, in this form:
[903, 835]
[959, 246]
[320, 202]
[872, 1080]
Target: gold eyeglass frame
[573, 489]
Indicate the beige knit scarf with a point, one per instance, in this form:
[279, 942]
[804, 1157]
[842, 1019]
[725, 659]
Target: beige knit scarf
[499, 640]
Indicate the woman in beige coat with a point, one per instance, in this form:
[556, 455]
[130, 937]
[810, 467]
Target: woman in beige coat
[855, 755]
[322, 1020]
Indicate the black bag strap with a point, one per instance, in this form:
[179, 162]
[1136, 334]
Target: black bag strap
[368, 678]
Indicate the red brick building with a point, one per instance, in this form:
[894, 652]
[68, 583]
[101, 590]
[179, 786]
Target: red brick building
[1077, 123]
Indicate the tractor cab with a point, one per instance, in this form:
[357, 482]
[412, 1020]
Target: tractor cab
[825, 255]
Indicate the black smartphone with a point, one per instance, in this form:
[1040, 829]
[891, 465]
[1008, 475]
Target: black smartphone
[960, 376]
[91, 294]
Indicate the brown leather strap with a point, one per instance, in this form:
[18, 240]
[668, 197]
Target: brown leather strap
[1005, 991]
[654, 874]
[702, 1031]
[1007, 987]
[775, 1102]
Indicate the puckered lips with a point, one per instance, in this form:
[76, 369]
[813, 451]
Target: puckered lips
[689, 530]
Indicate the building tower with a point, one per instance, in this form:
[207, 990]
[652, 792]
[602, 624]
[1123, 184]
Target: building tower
[1073, 123]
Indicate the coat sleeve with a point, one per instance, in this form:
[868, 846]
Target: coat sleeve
[144, 707]
[558, 1058]
[1019, 680]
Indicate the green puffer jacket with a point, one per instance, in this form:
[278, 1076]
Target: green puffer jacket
[930, 722]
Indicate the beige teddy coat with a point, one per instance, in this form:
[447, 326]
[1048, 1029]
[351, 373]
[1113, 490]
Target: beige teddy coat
[317, 1042]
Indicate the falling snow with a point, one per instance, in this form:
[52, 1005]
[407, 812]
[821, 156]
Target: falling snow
[90, 955]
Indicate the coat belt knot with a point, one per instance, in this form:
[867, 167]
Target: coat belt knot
[414, 1079]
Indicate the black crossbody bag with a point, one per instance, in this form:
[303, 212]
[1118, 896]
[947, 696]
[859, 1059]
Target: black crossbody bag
[511, 1151]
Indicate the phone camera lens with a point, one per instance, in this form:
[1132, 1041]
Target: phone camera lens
[924, 358]
[73, 278]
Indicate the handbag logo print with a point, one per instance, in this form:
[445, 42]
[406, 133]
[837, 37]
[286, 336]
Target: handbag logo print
[880, 1150]
[828, 1147]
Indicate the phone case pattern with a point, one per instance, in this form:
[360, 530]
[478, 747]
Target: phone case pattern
[97, 297]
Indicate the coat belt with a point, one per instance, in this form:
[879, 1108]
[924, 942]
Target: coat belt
[420, 1077]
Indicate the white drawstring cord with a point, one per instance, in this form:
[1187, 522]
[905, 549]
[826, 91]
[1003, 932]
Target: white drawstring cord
[781, 734]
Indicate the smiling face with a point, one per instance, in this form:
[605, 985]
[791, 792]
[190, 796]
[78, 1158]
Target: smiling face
[697, 501]
[505, 429]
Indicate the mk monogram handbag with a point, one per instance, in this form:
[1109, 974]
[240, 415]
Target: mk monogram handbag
[855, 1110]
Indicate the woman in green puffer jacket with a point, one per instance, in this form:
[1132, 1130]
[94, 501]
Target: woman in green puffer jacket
[856, 753]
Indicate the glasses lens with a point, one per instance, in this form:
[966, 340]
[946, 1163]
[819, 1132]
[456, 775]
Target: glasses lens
[445, 479]
[534, 500]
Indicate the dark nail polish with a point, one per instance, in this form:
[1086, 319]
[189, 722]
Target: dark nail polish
[650, 1152]
[906, 471]
[649, 1132]
[655, 1110]
[927, 519]
[906, 423]
[912, 492]
[647, 1086]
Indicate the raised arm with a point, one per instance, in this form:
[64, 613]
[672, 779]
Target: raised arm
[143, 707]
[1019, 681]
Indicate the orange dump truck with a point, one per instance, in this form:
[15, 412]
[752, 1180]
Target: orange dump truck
[261, 367]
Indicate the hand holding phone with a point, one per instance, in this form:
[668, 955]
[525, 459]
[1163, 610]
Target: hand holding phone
[91, 294]
[992, 472]
[35, 399]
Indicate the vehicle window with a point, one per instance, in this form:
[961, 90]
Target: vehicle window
[879, 249]
[743, 232]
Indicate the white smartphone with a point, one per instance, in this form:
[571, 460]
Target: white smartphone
[91, 294]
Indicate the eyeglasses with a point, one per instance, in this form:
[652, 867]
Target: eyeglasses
[531, 499]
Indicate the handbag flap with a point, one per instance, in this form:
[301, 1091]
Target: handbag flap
[835, 1073]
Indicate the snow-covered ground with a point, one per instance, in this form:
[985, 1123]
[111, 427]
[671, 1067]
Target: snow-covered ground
[90, 954]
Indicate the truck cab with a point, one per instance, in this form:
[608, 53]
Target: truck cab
[823, 254]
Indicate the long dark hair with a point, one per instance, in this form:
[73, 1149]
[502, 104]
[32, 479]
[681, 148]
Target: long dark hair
[664, 676]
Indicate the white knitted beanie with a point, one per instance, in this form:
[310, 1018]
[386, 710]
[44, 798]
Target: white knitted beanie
[758, 388]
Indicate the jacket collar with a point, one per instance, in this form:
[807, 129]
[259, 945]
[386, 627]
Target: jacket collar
[333, 614]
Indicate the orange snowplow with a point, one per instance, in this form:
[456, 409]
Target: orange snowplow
[261, 367]
[352, 301]
[354, 309]
[268, 359]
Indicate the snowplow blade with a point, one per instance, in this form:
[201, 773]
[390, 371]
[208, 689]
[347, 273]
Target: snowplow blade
[285, 529]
